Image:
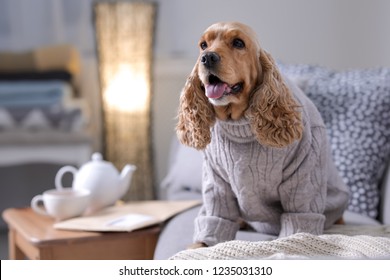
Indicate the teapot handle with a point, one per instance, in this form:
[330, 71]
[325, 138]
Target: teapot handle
[61, 172]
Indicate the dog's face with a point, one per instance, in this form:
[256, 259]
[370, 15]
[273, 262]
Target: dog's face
[234, 78]
[229, 67]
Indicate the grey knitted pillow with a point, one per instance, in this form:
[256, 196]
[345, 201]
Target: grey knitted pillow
[355, 106]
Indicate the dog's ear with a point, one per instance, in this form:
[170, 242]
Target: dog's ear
[273, 113]
[196, 115]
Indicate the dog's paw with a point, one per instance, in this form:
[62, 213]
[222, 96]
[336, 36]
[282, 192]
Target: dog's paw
[197, 245]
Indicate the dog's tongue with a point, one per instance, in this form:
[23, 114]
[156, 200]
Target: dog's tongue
[216, 90]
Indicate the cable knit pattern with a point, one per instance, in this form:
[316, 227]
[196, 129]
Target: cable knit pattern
[276, 190]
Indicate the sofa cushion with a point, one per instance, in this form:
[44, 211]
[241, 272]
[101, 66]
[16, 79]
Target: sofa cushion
[355, 106]
[184, 178]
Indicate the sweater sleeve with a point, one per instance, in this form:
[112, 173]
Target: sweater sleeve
[303, 190]
[217, 219]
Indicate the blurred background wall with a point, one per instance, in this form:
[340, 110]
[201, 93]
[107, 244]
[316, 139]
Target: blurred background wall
[339, 34]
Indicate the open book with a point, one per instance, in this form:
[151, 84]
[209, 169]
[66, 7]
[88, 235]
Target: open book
[129, 216]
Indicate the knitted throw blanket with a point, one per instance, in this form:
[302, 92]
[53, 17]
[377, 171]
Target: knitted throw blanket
[302, 246]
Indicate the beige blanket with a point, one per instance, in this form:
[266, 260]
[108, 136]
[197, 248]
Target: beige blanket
[58, 57]
[340, 242]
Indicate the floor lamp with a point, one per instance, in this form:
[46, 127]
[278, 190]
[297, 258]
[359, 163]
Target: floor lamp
[124, 39]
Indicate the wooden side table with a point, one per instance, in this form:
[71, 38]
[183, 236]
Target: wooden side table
[33, 236]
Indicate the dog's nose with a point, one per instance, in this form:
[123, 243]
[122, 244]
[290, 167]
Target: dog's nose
[210, 59]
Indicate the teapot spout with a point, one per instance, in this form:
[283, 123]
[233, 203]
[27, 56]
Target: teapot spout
[125, 179]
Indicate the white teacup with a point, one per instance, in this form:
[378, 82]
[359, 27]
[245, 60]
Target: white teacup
[62, 204]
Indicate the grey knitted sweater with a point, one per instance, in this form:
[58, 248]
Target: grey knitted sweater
[278, 191]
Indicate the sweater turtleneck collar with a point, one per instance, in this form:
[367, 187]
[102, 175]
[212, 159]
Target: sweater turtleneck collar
[238, 131]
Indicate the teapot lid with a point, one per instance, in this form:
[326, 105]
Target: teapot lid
[97, 156]
[97, 161]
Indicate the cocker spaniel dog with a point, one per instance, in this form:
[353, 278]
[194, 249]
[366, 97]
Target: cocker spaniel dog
[266, 155]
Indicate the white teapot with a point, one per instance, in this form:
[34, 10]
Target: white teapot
[101, 178]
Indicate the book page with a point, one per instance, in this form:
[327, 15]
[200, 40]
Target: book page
[128, 216]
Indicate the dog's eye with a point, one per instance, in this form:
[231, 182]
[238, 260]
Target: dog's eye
[238, 43]
[203, 45]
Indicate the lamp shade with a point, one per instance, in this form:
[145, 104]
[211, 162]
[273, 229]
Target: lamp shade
[124, 40]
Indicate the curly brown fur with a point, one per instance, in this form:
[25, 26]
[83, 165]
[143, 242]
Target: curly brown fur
[253, 87]
[196, 115]
[273, 113]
